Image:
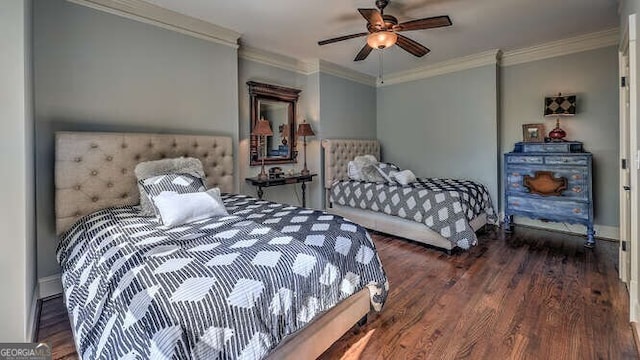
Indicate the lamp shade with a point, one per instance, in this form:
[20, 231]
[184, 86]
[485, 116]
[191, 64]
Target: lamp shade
[560, 105]
[305, 129]
[382, 39]
[262, 128]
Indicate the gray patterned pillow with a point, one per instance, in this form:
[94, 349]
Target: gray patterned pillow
[387, 171]
[175, 183]
[389, 165]
[148, 169]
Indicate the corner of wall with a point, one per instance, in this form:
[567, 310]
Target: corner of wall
[49, 286]
[33, 316]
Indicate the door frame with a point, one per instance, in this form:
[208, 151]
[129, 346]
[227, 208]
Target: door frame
[624, 258]
[634, 166]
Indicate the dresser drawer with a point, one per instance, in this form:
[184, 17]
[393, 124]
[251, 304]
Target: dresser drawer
[549, 209]
[577, 184]
[566, 160]
[547, 147]
[525, 160]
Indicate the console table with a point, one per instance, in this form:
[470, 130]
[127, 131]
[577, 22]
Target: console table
[283, 180]
[550, 182]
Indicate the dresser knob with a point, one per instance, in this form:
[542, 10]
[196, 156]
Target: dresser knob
[515, 185]
[577, 210]
[516, 174]
[576, 177]
[515, 203]
[577, 189]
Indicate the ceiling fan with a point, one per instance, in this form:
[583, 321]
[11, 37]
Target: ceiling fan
[383, 31]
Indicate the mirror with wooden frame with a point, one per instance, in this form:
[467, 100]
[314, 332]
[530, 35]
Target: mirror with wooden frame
[277, 105]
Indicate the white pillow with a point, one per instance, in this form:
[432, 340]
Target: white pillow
[366, 159]
[354, 171]
[177, 209]
[404, 177]
[362, 168]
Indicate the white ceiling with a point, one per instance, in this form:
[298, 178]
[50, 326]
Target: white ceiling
[293, 27]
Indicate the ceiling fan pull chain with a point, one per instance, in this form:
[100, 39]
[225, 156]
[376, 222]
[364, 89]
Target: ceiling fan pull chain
[380, 68]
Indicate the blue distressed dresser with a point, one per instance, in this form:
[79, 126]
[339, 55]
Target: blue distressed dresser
[549, 182]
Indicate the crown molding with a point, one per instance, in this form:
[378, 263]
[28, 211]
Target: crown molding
[155, 15]
[303, 67]
[326, 67]
[271, 59]
[310, 66]
[445, 67]
[562, 47]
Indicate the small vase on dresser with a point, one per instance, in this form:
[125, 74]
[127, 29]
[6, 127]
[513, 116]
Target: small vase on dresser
[550, 182]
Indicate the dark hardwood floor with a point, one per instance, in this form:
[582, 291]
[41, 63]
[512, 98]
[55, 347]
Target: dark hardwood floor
[531, 295]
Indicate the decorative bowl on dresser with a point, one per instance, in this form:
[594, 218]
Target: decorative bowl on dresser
[550, 182]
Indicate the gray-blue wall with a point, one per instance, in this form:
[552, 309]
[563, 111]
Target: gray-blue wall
[347, 108]
[306, 109]
[335, 108]
[347, 111]
[593, 77]
[448, 125]
[96, 71]
[443, 126]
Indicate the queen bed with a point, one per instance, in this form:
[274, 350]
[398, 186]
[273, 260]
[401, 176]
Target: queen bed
[456, 208]
[266, 280]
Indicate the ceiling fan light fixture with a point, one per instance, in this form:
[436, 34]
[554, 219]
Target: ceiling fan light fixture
[382, 39]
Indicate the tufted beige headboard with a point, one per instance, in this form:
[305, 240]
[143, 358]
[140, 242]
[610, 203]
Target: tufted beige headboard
[338, 153]
[94, 171]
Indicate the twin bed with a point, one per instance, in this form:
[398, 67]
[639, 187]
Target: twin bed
[266, 280]
[444, 213]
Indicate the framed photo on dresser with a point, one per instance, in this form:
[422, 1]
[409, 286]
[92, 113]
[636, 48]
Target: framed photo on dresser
[533, 132]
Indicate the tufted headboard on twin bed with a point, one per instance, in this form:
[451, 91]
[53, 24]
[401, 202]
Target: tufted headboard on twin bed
[94, 171]
[338, 153]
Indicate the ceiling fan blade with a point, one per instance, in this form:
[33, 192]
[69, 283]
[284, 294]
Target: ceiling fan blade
[341, 38]
[364, 52]
[413, 47]
[422, 24]
[373, 16]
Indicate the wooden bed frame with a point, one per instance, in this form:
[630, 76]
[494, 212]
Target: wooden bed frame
[337, 154]
[94, 171]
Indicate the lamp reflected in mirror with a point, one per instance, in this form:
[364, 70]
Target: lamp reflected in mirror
[262, 130]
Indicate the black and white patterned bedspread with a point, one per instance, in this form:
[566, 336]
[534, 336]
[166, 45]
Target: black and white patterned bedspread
[227, 287]
[444, 205]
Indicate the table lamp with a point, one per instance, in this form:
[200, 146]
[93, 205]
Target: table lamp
[559, 106]
[262, 129]
[305, 130]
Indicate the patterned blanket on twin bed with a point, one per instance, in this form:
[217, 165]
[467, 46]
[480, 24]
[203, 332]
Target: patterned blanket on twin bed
[444, 205]
[223, 288]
